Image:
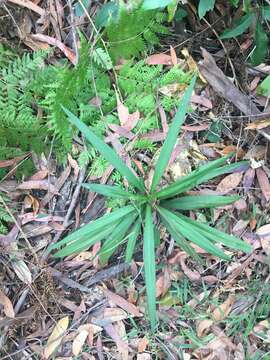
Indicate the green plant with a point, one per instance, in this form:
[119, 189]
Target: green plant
[256, 15]
[128, 222]
[20, 128]
[129, 33]
[5, 217]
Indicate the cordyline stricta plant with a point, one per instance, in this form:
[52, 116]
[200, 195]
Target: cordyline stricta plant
[168, 205]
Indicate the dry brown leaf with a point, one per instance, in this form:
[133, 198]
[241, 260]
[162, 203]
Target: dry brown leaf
[224, 87]
[144, 356]
[109, 316]
[22, 271]
[123, 344]
[29, 5]
[142, 344]
[248, 179]
[12, 162]
[30, 202]
[36, 185]
[7, 304]
[56, 337]
[159, 59]
[90, 328]
[203, 327]
[230, 182]
[54, 42]
[263, 182]
[171, 89]
[96, 101]
[262, 330]
[163, 283]
[173, 55]
[40, 175]
[223, 310]
[264, 235]
[192, 65]
[128, 121]
[258, 125]
[201, 100]
[193, 275]
[78, 342]
[122, 303]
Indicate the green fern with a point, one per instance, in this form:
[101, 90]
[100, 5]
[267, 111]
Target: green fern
[20, 128]
[133, 31]
[5, 217]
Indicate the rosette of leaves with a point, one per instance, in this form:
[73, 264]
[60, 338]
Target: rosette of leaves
[168, 205]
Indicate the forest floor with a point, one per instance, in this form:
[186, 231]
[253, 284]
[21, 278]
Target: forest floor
[211, 310]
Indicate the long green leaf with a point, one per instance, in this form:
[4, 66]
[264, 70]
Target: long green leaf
[199, 202]
[150, 266]
[86, 242]
[265, 12]
[109, 154]
[226, 169]
[184, 181]
[115, 239]
[171, 138]
[241, 26]
[190, 233]
[172, 228]
[97, 225]
[112, 191]
[217, 235]
[135, 232]
[261, 45]
[199, 176]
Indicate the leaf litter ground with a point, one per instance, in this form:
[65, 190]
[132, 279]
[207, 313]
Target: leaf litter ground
[207, 310]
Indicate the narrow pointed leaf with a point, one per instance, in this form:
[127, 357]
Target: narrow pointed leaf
[226, 169]
[150, 266]
[199, 202]
[199, 176]
[115, 239]
[89, 229]
[218, 236]
[86, 242]
[191, 178]
[106, 151]
[135, 232]
[171, 138]
[111, 191]
[192, 234]
[241, 26]
[172, 228]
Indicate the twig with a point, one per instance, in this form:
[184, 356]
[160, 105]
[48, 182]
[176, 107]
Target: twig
[20, 229]
[70, 209]
[29, 5]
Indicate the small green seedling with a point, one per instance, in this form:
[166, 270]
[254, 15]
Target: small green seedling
[128, 223]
